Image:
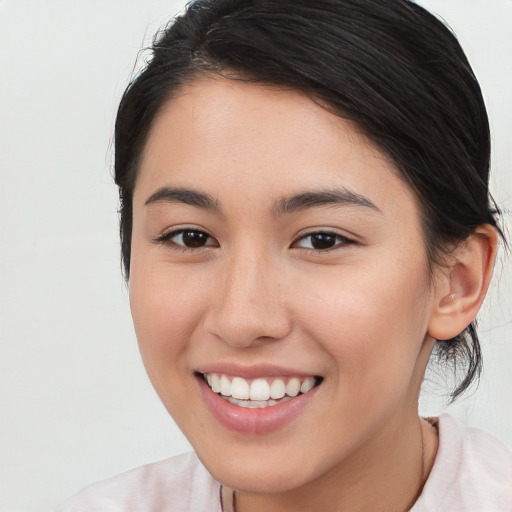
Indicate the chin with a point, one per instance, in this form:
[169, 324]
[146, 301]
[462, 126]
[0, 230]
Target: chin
[263, 474]
[261, 480]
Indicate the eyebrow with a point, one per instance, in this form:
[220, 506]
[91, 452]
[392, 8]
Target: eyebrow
[330, 197]
[186, 196]
[285, 205]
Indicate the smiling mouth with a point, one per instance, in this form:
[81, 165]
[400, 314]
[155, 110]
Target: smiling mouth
[261, 392]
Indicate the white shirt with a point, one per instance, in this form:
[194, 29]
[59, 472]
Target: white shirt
[472, 473]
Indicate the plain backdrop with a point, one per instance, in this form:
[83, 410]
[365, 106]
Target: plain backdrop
[75, 403]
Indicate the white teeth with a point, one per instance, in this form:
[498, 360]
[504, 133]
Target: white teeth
[214, 381]
[256, 404]
[307, 385]
[260, 390]
[293, 387]
[225, 386]
[249, 404]
[240, 389]
[277, 389]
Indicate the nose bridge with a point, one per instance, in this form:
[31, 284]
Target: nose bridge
[250, 305]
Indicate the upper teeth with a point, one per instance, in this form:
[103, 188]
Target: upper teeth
[258, 389]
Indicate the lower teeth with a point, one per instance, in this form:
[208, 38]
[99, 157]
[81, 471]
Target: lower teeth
[255, 404]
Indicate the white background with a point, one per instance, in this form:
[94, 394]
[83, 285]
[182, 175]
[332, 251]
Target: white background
[75, 404]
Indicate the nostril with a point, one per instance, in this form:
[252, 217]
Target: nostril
[243, 329]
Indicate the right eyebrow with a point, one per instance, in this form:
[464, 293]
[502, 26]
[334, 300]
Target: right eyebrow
[184, 195]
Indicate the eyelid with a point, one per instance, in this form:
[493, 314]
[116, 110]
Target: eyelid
[345, 239]
[166, 238]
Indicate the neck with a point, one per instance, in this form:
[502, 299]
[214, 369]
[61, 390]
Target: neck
[388, 473]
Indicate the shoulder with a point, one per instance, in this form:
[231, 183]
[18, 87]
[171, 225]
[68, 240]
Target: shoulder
[178, 484]
[472, 472]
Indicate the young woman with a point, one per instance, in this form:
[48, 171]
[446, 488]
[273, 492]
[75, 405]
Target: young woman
[305, 217]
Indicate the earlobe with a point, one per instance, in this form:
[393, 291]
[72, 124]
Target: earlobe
[461, 288]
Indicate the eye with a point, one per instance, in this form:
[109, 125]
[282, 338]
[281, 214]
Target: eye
[322, 241]
[187, 238]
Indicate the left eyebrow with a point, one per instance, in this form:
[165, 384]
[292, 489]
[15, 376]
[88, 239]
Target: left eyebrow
[330, 197]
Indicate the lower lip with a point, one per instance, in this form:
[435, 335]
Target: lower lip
[253, 421]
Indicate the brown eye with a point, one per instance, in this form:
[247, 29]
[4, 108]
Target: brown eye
[322, 241]
[191, 238]
[187, 239]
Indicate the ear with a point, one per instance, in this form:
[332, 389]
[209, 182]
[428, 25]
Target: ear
[461, 285]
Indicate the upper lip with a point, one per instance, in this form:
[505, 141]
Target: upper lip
[252, 371]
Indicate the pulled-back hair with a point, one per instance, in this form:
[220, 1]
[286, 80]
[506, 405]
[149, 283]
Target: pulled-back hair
[390, 66]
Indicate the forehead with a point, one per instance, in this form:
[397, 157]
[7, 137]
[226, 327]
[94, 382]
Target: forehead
[247, 140]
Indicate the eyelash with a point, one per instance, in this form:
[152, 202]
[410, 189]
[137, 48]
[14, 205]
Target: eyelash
[341, 241]
[166, 239]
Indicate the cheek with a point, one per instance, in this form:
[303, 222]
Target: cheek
[166, 308]
[371, 322]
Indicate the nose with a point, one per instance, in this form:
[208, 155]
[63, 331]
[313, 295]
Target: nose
[250, 305]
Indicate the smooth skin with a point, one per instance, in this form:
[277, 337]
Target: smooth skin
[254, 283]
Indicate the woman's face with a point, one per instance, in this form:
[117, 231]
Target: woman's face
[274, 248]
